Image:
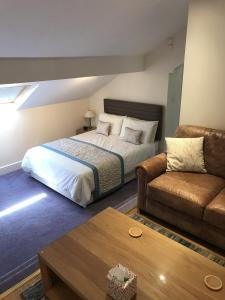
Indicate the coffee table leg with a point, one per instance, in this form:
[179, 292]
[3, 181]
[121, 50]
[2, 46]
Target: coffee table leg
[45, 275]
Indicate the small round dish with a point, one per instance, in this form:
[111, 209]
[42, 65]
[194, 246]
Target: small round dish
[213, 282]
[135, 232]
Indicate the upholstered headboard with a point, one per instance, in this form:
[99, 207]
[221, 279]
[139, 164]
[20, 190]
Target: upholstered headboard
[144, 111]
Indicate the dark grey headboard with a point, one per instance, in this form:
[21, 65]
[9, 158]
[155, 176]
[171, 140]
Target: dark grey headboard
[144, 111]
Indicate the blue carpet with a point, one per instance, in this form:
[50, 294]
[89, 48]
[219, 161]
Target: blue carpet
[26, 231]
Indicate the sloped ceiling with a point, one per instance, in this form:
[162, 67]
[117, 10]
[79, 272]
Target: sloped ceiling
[104, 30]
[71, 28]
[56, 91]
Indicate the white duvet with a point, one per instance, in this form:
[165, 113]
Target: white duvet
[73, 179]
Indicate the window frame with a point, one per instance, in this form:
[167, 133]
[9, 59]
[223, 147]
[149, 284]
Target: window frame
[22, 96]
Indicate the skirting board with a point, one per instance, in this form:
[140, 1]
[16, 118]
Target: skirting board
[10, 168]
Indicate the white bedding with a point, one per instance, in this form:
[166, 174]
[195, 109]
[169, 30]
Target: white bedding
[73, 179]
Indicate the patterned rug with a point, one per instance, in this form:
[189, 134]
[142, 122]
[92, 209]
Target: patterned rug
[35, 292]
[179, 239]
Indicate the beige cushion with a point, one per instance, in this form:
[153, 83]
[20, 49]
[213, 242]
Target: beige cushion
[185, 154]
[132, 136]
[103, 128]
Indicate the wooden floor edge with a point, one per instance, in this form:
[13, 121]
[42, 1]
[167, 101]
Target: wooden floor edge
[131, 211]
[19, 284]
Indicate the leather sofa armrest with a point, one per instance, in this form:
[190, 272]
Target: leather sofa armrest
[146, 171]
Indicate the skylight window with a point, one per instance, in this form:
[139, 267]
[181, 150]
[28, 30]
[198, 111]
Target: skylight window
[9, 94]
[14, 95]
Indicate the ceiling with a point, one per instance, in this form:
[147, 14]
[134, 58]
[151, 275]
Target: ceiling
[72, 28]
[56, 91]
[81, 28]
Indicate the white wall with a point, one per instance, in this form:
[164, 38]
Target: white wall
[203, 98]
[150, 86]
[23, 129]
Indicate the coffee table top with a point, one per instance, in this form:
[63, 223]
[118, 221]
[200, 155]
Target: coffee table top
[165, 269]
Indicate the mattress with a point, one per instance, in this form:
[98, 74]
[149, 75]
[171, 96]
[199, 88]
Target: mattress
[75, 180]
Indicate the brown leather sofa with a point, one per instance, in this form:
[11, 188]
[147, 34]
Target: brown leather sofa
[191, 201]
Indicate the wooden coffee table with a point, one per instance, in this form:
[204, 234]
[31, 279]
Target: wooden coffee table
[75, 266]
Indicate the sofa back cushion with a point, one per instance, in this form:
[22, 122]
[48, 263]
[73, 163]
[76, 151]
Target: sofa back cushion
[214, 146]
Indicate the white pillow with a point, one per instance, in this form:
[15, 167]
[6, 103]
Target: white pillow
[114, 120]
[148, 128]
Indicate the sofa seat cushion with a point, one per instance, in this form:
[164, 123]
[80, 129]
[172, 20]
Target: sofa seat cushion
[189, 193]
[215, 212]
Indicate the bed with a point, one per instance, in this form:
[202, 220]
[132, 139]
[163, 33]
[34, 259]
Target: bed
[101, 164]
